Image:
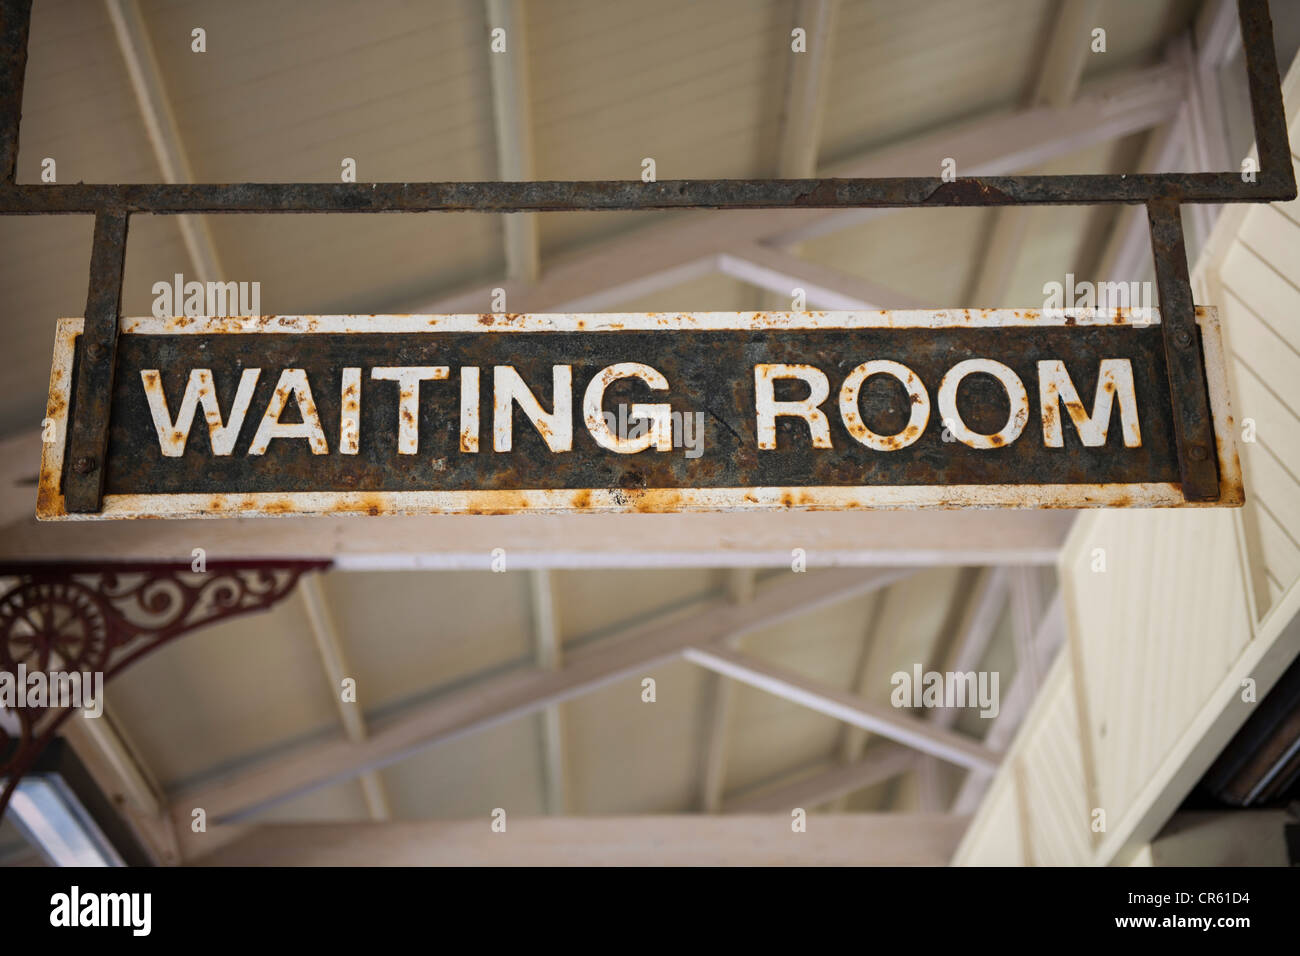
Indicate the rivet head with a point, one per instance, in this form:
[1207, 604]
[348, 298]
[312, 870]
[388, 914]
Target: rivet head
[83, 466]
[94, 351]
[1198, 453]
[1182, 338]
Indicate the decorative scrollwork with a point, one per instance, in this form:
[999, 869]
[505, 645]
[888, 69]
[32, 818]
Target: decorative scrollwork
[102, 618]
[52, 625]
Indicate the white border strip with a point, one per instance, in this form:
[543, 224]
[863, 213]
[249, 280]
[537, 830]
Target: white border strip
[638, 321]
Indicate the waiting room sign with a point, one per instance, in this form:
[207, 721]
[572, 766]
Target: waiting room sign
[648, 412]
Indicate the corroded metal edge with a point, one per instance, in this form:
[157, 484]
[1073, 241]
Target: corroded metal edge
[51, 504]
[638, 321]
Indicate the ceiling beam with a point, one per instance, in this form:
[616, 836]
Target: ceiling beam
[1014, 705]
[125, 779]
[512, 118]
[1000, 144]
[781, 272]
[160, 124]
[1005, 143]
[720, 694]
[1026, 622]
[880, 763]
[1217, 34]
[860, 839]
[325, 635]
[1205, 126]
[853, 740]
[546, 641]
[517, 694]
[807, 81]
[1127, 253]
[842, 705]
[803, 109]
[465, 542]
[1058, 82]
[973, 634]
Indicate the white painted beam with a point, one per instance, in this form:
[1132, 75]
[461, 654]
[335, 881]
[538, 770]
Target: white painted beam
[1206, 129]
[781, 272]
[160, 123]
[965, 653]
[1007, 143]
[1067, 52]
[125, 779]
[325, 635]
[500, 699]
[882, 762]
[1058, 82]
[512, 116]
[1216, 34]
[1026, 622]
[1014, 705]
[465, 542]
[854, 739]
[1001, 144]
[842, 705]
[860, 839]
[807, 81]
[740, 590]
[546, 639]
[1128, 249]
[976, 630]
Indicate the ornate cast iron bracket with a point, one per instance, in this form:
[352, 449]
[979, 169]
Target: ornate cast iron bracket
[104, 617]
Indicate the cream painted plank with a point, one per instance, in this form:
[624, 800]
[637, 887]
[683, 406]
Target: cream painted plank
[1292, 209]
[1281, 553]
[1275, 425]
[1275, 590]
[1150, 608]
[994, 836]
[1269, 483]
[1274, 237]
[1052, 762]
[1264, 358]
[1273, 298]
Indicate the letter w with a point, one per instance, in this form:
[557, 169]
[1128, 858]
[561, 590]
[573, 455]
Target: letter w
[199, 390]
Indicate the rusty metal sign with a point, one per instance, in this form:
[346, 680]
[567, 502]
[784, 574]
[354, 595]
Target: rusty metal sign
[501, 413]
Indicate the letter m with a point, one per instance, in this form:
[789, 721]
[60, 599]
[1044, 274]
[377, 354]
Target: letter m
[222, 296]
[1114, 380]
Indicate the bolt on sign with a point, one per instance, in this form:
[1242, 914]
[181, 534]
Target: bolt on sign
[500, 413]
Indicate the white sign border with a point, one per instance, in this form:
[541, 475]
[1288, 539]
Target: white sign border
[51, 506]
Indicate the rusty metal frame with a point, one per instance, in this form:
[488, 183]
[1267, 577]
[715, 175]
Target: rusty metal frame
[1162, 193]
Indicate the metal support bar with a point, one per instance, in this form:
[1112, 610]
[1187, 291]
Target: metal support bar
[565, 196]
[15, 19]
[93, 385]
[1267, 109]
[1188, 393]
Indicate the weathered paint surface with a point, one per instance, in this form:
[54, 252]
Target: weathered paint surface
[921, 409]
